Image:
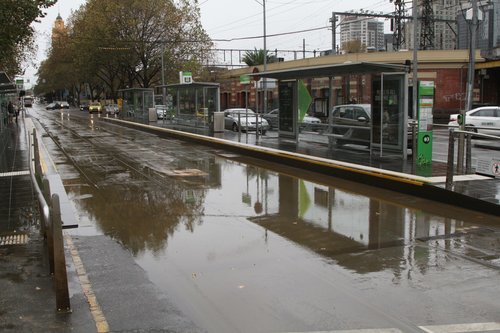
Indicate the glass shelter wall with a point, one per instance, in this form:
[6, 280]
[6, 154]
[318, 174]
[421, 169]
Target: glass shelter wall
[135, 104]
[192, 104]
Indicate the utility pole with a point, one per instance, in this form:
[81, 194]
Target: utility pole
[265, 60]
[399, 14]
[415, 68]
[470, 84]
[427, 26]
[333, 21]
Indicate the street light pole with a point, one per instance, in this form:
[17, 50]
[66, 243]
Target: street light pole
[265, 57]
[470, 86]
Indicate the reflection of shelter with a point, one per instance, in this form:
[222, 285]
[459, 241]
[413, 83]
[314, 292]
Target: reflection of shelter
[353, 226]
[389, 95]
[136, 103]
[191, 104]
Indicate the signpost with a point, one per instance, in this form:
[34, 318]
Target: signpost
[425, 120]
[185, 77]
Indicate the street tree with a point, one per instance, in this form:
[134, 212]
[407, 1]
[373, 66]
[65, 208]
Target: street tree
[354, 46]
[16, 34]
[256, 57]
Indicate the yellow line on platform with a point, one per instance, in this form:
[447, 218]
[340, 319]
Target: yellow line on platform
[97, 314]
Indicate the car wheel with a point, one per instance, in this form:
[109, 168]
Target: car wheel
[235, 127]
[263, 132]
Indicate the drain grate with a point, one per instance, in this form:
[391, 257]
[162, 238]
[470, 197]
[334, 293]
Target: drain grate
[14, 239]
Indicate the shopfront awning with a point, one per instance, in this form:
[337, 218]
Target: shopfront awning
[331, 70]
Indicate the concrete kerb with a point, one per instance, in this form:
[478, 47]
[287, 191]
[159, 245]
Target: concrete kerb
[386, 179]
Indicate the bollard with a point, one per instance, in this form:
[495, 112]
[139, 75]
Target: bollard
[50, 238]
[468, 155]
[60, 274]
[451, 153]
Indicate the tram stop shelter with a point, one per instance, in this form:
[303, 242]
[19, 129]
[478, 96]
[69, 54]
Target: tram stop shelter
[191, 104]
[136, 104]
[383, 128]
[8, 91]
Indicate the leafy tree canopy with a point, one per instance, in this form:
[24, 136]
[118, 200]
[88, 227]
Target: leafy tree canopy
[16, 34]
[256, 57]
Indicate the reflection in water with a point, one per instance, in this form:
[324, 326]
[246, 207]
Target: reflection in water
[142, 214]
[142, 207]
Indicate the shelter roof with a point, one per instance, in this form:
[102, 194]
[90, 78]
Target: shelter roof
[331, 70]
[6, 85]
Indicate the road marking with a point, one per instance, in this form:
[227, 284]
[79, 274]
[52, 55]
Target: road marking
[14, 239]
[14, 173]
[457, 178]
[462, 328]
[370, 330]
[99, 319]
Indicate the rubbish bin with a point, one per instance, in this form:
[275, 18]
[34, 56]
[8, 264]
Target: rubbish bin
[218, 122]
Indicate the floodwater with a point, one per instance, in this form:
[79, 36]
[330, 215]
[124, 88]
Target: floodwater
[242, 245]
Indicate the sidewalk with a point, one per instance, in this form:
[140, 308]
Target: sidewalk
[27, 302]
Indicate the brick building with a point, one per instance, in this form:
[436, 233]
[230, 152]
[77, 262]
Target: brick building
[448, 69]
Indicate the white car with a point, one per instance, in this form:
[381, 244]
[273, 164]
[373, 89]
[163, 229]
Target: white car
[484, 116]
[308, 122]
[244, 118]
[111, 108]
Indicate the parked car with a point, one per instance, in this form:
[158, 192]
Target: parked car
[52, 106]
[247, 123]
[352, 125]
[111, 109]
[84, 106]
[95, 107]
[484, 116]
[163, 112]
[308, 122]
[57, 105]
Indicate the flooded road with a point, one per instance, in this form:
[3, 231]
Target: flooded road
[241, 245]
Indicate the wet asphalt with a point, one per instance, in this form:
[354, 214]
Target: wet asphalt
[176, 237]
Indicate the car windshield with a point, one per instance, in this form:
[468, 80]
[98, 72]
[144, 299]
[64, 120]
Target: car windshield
[95, 104]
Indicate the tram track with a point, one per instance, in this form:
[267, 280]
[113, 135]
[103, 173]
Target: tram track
[117, 156]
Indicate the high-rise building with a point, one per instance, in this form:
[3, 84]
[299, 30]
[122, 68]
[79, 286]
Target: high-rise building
[368, 31]
[488, 32]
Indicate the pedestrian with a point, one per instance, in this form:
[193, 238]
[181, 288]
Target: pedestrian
[11, 111]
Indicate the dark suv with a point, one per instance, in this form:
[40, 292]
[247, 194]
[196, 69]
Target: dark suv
[352, 124]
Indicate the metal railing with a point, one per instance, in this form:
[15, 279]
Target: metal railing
[454, 134]
[51, 226]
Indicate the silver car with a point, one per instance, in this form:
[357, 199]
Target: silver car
[244, 118]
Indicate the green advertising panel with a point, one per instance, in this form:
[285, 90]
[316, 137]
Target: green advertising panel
[305, 100]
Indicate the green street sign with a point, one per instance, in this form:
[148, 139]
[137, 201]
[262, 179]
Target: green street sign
[245, 79]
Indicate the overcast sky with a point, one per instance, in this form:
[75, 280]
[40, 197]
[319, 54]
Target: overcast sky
[229, 19]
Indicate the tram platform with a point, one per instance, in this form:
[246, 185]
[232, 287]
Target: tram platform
[471, 191]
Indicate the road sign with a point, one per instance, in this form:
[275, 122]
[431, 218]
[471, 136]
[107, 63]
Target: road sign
[245, 79]
[489, 167]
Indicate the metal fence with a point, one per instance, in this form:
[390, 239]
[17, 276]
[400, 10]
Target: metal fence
[468, 134]
[51, 226]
